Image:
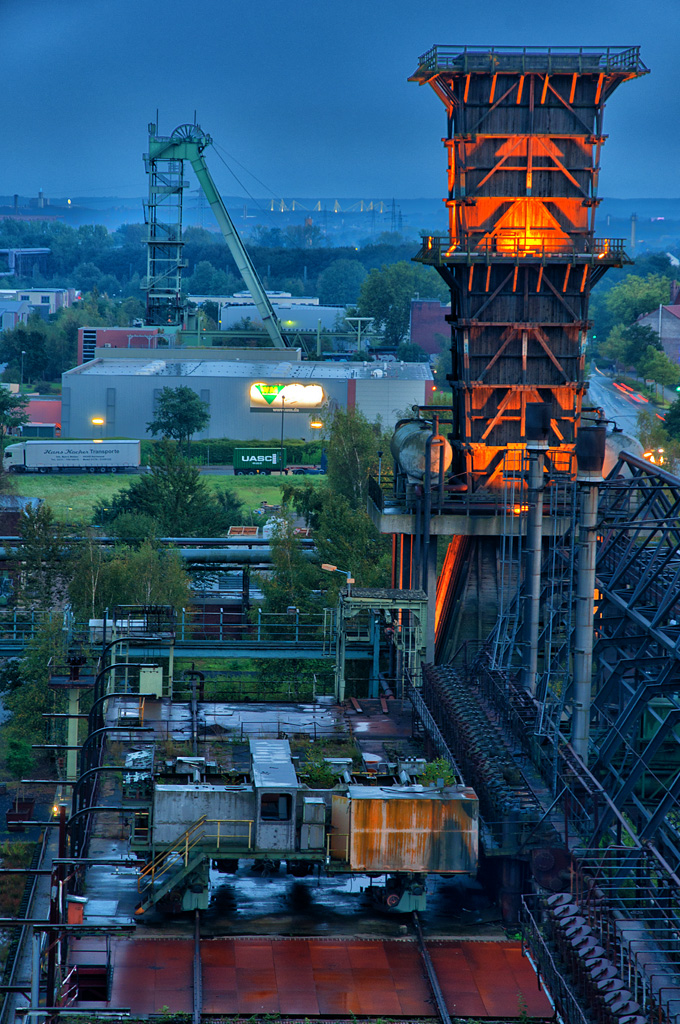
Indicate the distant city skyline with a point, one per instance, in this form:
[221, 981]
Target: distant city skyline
[302, 99]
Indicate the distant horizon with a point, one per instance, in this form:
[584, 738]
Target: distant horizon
[298, 197]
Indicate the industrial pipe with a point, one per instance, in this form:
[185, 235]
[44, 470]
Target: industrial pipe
[224, 555]
[537, 430]
[532, 572]
[590, 449]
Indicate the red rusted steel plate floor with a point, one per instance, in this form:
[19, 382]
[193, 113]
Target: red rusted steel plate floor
[325, 977]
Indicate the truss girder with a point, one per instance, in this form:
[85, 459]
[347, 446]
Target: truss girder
[637, 651]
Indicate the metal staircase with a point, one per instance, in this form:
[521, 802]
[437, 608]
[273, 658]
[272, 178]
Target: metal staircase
[169, 867]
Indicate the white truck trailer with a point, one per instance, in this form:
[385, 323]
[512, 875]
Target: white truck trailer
[72, 456]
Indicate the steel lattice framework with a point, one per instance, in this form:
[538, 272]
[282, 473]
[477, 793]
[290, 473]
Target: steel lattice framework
[524, 137]
[635, 715]
[163, 215]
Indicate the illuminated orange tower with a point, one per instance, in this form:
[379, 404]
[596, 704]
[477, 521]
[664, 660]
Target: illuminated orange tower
[524, 138]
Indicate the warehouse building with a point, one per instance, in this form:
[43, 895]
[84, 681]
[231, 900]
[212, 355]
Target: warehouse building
[249, 398]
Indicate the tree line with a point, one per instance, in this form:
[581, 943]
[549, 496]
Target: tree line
[115, 262]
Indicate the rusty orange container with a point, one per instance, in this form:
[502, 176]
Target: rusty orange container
[409, 828]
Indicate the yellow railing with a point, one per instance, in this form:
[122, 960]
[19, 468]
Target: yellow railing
[229, 837]
[196, 835]
[161, 863]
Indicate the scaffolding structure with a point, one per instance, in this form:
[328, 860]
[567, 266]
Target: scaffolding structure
[163, 217]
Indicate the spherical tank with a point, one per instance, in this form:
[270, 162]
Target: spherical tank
[409, 447]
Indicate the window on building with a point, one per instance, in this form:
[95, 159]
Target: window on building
[45, 299]
[275, 806]
[25, 298]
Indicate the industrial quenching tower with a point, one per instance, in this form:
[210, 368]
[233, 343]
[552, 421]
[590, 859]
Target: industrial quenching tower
[524, 139]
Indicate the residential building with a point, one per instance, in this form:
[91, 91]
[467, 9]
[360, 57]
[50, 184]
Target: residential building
[13, 313]
[47, 300]
[666, 322]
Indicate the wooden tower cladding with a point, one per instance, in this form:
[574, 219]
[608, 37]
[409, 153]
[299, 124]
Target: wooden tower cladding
[524, 137]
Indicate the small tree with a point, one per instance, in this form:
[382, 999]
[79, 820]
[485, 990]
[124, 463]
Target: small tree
[352, 449]
[27, 703]
[179, 414]
[346, 536]
[12, 415]
[175, 497]
[45, 559]
[143, 575]
[409, 352]
[672, 419]
[386, 296]
[294, 577]
[658, 367]
[20, 759]
[340, 282]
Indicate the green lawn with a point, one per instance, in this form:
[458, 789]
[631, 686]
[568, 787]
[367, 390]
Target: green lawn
[73, 497]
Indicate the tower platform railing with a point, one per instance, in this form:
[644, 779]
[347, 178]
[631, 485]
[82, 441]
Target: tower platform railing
[440, 249]
[551, 59]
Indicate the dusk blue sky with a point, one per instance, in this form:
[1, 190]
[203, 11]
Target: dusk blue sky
[309, 95]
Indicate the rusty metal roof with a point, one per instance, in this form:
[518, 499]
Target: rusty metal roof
[322, 978]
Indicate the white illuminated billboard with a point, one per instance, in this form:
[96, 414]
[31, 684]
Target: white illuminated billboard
[286, 396]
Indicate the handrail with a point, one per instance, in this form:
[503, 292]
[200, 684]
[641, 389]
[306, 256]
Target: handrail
[564, 996]
[437, 248]
[220, 837]
[24, 929]
[180, 845]
[621, 59]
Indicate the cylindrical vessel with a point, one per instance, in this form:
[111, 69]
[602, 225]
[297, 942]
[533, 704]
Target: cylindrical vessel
[408, 447]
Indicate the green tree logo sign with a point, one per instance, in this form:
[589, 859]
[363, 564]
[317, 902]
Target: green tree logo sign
[269, 391]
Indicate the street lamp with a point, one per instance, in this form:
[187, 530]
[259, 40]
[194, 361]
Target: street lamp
[345, 572]
[23, 353]
[283, 412]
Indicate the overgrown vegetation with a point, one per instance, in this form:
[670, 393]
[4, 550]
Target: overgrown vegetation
[437, 770]
[172, 499]
[14, 854]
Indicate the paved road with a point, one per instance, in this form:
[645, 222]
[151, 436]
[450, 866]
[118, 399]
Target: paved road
[616, 406]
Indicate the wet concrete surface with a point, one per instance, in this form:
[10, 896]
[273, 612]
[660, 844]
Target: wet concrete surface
[223, 720]
[250, 903]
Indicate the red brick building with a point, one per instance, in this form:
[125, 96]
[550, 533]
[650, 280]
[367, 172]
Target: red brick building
[90, 338]
[429, 328]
